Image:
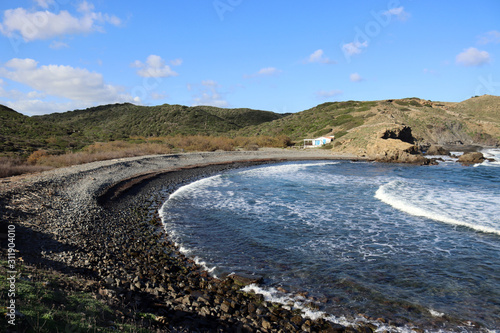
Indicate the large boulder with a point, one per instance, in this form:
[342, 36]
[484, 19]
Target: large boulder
[395, 145]
[395, 151]
[471, 158]
[437, 150]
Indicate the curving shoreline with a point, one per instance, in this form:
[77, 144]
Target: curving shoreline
[99, 221]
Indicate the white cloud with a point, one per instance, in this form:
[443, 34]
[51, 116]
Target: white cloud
[155, 66]
[77, 85]
[398, 12]
[209, 95]
[176, 62]
[34, 107]
[266, 71]
[45, 3]
[354, 48]
[473, 57]
[355, 77]
[57, 45]
[318, 56]
[86, 7]
[490, 37]
[322, 94]
[35, 25]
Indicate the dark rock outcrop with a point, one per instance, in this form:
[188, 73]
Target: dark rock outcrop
[400, 133]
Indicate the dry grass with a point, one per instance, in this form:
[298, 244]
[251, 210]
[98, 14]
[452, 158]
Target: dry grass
[138, 146]
[13, 166]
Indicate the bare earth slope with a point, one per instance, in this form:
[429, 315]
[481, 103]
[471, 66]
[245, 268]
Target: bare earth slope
[473, 122]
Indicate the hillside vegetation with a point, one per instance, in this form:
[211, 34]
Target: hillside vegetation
[356, 124]
[73, 130]
[119, 121]
[111, 131]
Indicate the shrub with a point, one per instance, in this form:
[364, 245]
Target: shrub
[13, 166]
[36, 156]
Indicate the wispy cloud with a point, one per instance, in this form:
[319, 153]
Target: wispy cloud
[209, 94]
[354, 48]
[319, 57]
[45, 3]
[355, 77]
[57, 45]
[155, 66]
[266, 71]
[323, 94]
[489, 37]
[398, 12]
[38, 25]
[473, 57]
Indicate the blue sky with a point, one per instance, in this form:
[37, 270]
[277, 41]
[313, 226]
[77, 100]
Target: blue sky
[281, 56]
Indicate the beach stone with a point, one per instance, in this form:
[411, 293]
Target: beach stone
[437, 150]
[243, 280]
[471, 158]
[266, 324]
[226, 307]
[297, 320]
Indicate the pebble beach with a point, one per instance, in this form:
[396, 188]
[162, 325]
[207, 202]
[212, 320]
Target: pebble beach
[99, 221]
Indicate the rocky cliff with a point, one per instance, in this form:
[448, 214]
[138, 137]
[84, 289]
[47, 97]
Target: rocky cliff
[399, 130]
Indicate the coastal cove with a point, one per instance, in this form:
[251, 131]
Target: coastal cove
[119, 252]
[411, 244]
[100, 221]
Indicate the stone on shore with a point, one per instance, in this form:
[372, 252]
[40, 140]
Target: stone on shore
[395, 151]
[471, 158]
[437, 150]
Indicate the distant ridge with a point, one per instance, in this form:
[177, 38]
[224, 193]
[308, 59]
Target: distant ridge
[475, 121]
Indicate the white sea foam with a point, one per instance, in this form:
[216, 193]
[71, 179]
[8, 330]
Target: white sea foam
[273, 295]
[424, 201]
[490, 154]
[194, 186]
[435, 313]
[299, 303]
[204, 265]
[283, 169]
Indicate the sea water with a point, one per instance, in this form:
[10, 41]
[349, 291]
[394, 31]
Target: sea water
[418, 246]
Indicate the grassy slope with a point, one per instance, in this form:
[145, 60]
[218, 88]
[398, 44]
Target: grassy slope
[355, 124]
[73, 130]
[20, 133]
[474, 121]
[320, 120]
[124, 120]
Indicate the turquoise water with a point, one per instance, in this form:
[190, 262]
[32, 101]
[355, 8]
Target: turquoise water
[415, 245]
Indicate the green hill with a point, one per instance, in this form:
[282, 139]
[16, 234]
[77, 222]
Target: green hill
[75, 129]
[326, 118]
[23, 134]
[355, 124]
[118, 121]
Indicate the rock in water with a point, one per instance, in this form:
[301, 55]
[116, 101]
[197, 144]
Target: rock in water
[437, 150]
[471, 158]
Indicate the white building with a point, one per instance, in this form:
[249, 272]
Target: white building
[318, 142]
